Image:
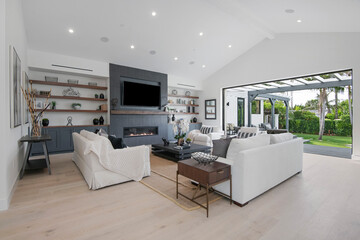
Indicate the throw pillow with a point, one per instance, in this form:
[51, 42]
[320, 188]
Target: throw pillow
[245, 134]
[117, 143]
[206, 130]
[279, 138]
[241, 144]
[220, 147]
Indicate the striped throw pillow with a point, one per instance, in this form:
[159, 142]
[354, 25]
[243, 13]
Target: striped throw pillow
[206, 130]
[245, 135]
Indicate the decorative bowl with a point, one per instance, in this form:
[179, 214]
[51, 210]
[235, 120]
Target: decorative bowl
[204, 158]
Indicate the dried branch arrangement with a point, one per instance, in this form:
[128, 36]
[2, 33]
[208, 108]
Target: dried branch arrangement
[30, 98]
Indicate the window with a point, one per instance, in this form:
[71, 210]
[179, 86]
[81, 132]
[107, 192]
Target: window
[255, 107]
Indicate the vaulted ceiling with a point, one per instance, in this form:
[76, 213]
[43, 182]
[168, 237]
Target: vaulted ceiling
[175, 30]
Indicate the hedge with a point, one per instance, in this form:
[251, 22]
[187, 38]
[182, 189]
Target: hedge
[308, 122]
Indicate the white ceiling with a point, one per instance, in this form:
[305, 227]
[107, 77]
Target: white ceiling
[174, 31]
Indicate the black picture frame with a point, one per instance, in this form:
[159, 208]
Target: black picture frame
[210, 109]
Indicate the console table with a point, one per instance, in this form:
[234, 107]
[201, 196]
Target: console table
[206, 175]
[38, 163]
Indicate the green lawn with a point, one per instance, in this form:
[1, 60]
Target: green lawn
[330, 141]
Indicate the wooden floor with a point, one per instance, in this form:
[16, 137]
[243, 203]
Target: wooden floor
[321, 203]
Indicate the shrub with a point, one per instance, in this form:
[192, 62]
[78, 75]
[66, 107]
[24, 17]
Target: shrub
[343, 126]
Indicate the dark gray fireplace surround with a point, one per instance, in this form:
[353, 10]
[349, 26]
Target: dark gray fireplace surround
[119, 122]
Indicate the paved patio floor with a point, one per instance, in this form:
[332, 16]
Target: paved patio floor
[328, 151]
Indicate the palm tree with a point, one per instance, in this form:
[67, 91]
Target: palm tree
[337, 90]
[350, 103]
[322, 110]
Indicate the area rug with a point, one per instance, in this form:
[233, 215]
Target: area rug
[163, 181]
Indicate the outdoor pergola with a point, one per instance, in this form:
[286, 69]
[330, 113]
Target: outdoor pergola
[267, 90]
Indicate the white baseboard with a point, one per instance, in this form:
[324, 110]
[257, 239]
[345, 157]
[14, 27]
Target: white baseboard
[5, 202]
[355, 157]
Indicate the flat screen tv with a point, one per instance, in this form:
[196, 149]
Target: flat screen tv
[140, 94]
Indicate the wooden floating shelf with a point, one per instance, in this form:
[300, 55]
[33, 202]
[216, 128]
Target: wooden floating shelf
[182, 96]
[72, 110]
[184, 113]
[62, 84]
[188, 105]
[72, 98]
[105, 125]
[138, 112]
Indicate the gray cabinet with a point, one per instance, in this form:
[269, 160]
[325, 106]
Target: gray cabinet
[62, 138]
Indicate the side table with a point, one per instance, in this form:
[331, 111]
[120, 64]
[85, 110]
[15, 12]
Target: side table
[206, 175]
[38, 163]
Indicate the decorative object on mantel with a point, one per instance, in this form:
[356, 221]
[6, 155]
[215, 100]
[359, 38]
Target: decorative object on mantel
[180, 128]
[96, 121]
[166, 142]
[71, 92]
[51, 79]
[76, 106]
[92, 83]
[204, 158]
[69, 119]
[30, 100]
[73, 81]
[101, 120]
[114, 102]
[174, 92]
[45, 122]
[96, 95]
[102, 96]
[187, 93]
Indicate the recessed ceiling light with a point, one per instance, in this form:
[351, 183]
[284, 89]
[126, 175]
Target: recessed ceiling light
[153, 14]
[203, 66]
[71, 30]
[152, 52]
[229, 46]
[299, 21]
[201, 33]
[104, 39]
[176, 58]
[132, 46]
[289, 10]
[191, 62]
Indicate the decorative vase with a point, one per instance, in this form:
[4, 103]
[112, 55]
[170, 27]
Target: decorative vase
[102, 96]
[101, 120]
[194, 120]
[45, 122]
[36, 129]
[173, 118]
[96, 121]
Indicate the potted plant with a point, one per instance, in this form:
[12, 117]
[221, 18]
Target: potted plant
[180, 129]
[188, 141]
[53, 105]
[45, 122]
[76, 106]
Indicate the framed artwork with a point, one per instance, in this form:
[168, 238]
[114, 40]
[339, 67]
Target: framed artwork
[38, 104]
[25, 85]
[210, 109]
[15, 90]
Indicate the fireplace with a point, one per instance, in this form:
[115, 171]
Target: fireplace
[140, 131]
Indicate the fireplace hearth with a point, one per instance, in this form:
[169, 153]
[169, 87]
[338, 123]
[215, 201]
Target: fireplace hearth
[140, 131]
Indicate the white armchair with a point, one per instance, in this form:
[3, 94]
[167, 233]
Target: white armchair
[202, 138]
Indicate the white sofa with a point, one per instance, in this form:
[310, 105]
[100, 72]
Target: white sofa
[205, 139]
[92, 170]
[260, 163]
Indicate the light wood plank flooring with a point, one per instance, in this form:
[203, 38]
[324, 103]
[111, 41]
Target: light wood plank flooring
[321, 203]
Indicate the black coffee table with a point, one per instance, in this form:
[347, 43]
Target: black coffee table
[171, 153]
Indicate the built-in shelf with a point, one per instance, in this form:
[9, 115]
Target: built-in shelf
[183, 113]
[138, 112]
[73, 110]
[105, 125]
[182, 96]
[71, 98]
[62, 84]
[186, 105]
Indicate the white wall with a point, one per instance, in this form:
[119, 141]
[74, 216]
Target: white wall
[12, 156]
[291, 55]
[231, 110]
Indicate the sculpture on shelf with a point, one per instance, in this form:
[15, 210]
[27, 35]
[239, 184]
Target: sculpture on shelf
[30, 99]
[166, 142]
[71, 92]
[69, 119]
